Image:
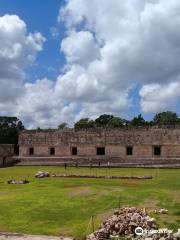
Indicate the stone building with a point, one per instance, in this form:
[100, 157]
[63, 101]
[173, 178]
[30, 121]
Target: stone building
[7, 152]
[135, 146]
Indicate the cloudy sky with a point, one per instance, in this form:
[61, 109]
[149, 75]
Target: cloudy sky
[61, 60]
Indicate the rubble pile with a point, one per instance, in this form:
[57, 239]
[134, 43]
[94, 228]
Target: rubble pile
[124, 222]
[17, 181]
[42, 174]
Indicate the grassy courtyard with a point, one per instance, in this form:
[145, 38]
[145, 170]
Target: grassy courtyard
[61, 206]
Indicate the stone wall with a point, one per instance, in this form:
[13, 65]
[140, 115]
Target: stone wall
[114, 141]
[6, 154]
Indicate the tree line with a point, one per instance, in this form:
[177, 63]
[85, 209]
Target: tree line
[109, 121]
[11, 126]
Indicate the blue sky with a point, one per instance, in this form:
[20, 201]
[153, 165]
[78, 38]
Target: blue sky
[64, 60]
[40, 19]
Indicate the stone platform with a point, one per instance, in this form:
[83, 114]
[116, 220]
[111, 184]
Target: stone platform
[158, 162]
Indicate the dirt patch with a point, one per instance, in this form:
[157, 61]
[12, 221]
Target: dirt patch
[106, 192]
[150, 204]
[130, 184]
[80, 191]
[14, 236]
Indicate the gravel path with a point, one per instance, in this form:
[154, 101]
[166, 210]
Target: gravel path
[11, 236]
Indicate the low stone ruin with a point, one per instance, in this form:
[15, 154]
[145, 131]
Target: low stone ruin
[42, 174]
[161, 211]
[123, 223]
[18, 181]
[100, 176]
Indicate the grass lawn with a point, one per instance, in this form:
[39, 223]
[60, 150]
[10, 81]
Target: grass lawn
[62, 206]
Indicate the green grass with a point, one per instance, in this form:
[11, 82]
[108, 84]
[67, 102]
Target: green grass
[62, 206]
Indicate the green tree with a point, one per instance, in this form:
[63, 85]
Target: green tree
[9, 129]
[84, 123]
[166, 118]
[138, 121]
[116, 122]
[103, 120]
[63, 125]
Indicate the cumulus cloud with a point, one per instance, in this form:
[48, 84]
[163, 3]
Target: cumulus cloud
[80, 47]
[40, 106]
[155, 97]
[18, 49]
[139, 43]
[109, 47]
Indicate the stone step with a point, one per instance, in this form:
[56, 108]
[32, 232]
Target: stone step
[102, 160]
[102, 165]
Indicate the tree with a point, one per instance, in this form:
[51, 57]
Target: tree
[116, 122]
[9, 129]
[138, 121]
[84, 123]
[103, 120]
[166, 118]
[63, 125]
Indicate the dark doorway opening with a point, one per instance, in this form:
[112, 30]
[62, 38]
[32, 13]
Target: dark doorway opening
[129, 150]
[16, 150]
[31, 151]
[4, 161]
[74, 150]
[157, 150]
[52, 151]
[100, 150]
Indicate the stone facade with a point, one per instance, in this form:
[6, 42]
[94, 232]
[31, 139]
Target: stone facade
[117, 145]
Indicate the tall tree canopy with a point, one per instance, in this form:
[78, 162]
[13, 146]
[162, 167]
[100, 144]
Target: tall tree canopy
[116, 122]
[9, 129]
[138, 121]
[84, 123]
[103, 120]
[166, 118]
[63, 125]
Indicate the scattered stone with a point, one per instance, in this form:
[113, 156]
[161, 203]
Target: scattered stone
[41, 174]
[177, 235]
[18, 181]
[161, 211]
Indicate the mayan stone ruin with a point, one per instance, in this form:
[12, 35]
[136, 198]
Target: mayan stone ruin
[139, 146]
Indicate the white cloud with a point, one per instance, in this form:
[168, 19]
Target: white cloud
[80, 47]
[158, 97]
[139, 43]
[18, 49]
[110, 46]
